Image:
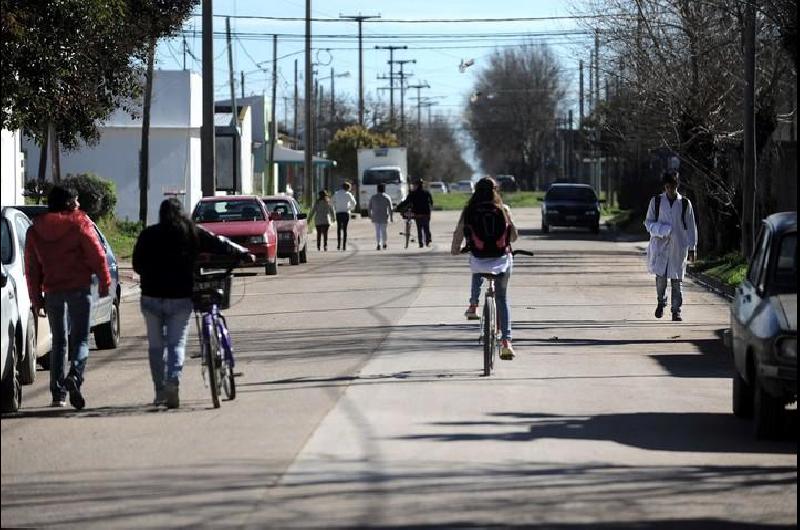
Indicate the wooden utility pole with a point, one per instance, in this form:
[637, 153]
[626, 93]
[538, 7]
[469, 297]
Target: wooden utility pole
[273, 127]
[308, 171]
[580, 94]
[208, 183]
[296, 100]
[419, 87]
[749, 180]
[144, 152]
[391, 79]
[359, 18]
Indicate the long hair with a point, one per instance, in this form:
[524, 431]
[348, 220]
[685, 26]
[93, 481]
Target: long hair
[172, 216]
[485, 192]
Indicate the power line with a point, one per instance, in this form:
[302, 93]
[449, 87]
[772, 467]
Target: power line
[434, 20]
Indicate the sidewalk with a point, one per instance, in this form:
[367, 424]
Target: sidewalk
[128, 280]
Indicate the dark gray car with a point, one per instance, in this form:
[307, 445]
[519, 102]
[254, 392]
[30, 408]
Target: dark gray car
[764, 327]
[570, 204]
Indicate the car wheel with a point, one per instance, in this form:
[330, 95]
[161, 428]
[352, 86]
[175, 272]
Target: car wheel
[304, 254]
[271, 268]
[106, 336]
[545, 228]
[742, 397]
[44, 360]
[596, 228]
[28, 369]
[10, 387]
[294, 258]
[767, 411]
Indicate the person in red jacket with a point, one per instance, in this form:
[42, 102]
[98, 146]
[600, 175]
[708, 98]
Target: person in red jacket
[62, 252]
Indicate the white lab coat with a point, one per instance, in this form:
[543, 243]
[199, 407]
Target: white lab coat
[670, 243]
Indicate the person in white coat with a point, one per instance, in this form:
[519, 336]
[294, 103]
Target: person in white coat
[380, 212]
[673, 240]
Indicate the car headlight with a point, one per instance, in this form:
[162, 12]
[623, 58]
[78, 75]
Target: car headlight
[285, 236]
[787, 347]
[256, 240]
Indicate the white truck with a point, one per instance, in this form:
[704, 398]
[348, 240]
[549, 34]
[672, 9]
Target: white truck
[383, 165]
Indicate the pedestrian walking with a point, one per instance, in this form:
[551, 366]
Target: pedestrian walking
[673, 238]
[380, 212]
[343, 202]
[62, 251]
[165, 257]
[323, 215]
[420, 202]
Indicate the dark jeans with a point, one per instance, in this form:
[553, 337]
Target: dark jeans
[322, 236]
[342, 218]
[69, 315]
[423, 229]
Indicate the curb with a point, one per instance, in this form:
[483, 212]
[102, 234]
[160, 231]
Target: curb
[712, 284]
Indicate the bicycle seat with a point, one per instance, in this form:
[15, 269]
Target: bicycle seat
[490, 276]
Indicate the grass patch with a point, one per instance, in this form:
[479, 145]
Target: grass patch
[457, 200]
[729, 269]
[121, 235]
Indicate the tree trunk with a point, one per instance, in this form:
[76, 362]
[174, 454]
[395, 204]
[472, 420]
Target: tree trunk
[144, 154]
[41, 174]
[55, 162]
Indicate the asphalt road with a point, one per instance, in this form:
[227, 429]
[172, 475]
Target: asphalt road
[362, 404]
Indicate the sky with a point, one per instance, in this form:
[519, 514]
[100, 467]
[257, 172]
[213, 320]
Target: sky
[437, 47]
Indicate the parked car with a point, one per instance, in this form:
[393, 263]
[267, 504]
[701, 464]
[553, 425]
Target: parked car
[763, 335]
[243, 219]
[568, 204]
[464, 186]
[292, 227]
[10, 380]
[437, 187]
[15, 226]
[507, 183]
[105, 323]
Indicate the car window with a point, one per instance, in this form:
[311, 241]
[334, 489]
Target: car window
[6, 246]
[381, 176]
[566, 193]
[785, 274]
[754, 273]
[221, 211]
[284, 208]
[21, 223]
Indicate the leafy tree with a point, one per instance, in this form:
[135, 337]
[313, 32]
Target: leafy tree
[73, 62]
[435, 153]
[346, 142]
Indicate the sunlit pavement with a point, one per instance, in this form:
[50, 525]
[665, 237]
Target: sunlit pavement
[362, 404]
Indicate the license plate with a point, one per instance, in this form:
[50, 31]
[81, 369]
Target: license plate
[572, 218]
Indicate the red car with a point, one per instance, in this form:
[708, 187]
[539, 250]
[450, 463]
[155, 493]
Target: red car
[292, 227]
[244, 220]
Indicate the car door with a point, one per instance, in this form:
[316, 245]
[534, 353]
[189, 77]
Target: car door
[748, 300]
[101, 306]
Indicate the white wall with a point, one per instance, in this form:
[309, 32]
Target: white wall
[11, 168]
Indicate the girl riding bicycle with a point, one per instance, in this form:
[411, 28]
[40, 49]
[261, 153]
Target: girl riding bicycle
[487, 225]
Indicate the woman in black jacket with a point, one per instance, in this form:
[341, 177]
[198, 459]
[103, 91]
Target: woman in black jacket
[165, 258]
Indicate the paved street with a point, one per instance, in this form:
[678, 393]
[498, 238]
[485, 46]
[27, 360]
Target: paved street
[362, 404]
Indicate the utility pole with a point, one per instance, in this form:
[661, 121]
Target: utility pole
[333, 102]
[294, 123]
[391, 79]
[208, 183]
[184, 52]
[234, 109]
[144, 152]
[580, 94]
[241, 81]
[419, 101]
[749, 181]
[403, 75]
[273, 127]
[308, 171]
[359, 18]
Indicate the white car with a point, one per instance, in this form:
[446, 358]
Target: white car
[464, 186]
[437, 187]
[15, 226]
[10, 384]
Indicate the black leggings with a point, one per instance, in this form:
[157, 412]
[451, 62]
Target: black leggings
[342, 218]
[322, 235]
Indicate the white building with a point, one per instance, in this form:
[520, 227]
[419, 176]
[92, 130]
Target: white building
[12, 165]
[174, 161]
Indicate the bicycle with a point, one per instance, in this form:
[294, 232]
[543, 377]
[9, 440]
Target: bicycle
[212, 294]
[408, 215]
[489, 324]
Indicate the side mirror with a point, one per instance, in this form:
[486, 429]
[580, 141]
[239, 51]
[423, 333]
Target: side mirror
[275, 216]
[302, 216]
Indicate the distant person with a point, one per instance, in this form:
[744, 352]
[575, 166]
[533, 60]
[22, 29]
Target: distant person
[489, 253]
[380, 212]
[62, 252]
[343, 202]
[673, 239]
[165, 257]
[420, 202]
[323, 215]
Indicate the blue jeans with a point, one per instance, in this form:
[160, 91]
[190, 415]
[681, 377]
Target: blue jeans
[423, 229]
[167, 322]
[69, 314]
[676, 298]
[500, 298]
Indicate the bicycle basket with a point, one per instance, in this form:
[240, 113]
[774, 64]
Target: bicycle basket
[211, 290]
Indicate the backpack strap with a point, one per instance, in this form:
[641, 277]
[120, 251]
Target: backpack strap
[657, 205]
[684, 207]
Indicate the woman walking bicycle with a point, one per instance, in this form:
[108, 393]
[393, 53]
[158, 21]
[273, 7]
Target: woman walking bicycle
[488, 228]
[165, 258]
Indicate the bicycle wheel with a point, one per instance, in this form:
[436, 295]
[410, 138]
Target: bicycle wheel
[211, 356]
[489, 336]
[226, 362]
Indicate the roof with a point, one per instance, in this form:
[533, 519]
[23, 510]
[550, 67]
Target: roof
[276, 198]
[570, 185]
[783, 221]
[229, 198]
[284, 155]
